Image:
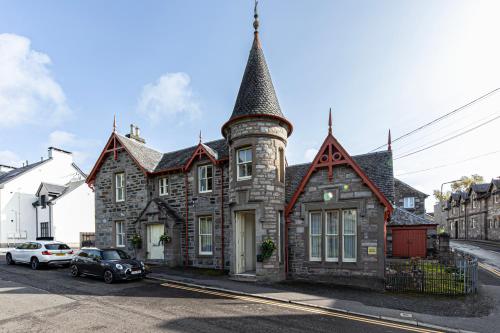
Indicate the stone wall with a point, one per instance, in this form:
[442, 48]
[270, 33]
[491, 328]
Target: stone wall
[107, 211]
[402, 190]
[263, 193]
[349, 192]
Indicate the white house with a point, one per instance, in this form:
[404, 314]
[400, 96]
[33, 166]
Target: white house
[30, 209]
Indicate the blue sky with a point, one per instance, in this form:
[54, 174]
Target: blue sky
[174, 67]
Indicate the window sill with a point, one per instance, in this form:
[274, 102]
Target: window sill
[243, 178]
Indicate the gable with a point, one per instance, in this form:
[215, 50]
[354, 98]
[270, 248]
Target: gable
[330, 156]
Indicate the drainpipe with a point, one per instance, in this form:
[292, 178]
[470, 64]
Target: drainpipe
[287, 221]
[222, 214]
[186, 224]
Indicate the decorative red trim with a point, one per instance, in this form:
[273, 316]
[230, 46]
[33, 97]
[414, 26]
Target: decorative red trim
[222, 214]
[199, 152]
[186, 260]
[332, 154]
[250, 116]
[112, 146]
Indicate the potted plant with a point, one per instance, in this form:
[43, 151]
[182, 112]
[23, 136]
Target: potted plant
[165, 238]
[136, 241]
[266, 249]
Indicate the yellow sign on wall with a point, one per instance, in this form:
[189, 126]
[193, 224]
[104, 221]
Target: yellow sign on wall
[372, 250]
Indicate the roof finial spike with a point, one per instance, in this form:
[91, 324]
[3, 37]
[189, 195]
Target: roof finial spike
[389, 141]
[200, 136]
[256, 17]
[330, 122]
[114, 123]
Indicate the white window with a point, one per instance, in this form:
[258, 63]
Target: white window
[205, 178]
[244, 163]
[497, 198]
[409, 202]
[474, 202]
[205, 235]
[462, 206]
[349, 235]
[163, 185]
[120, 234]
[120, 187]
[332, 236]
[315, 236]
[473, 223]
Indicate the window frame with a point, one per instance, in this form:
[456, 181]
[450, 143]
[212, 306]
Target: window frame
[122, 186]
[412, 200]
[355, 234]
[42, 229]
[165, 187]
[473, 223]
[207, 179]
[496, 198]
[211, 234]
[320, 235]
[281, 166]
[337, 235]
[122, 234]
[238, 176]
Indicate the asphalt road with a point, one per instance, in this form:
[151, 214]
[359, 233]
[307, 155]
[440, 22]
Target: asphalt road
[50, 300]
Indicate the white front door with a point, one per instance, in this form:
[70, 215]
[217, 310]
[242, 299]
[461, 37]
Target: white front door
[245, 242]
[155, 247]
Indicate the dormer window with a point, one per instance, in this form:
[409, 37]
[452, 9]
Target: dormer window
[474, 202]
[205, 178]
[409, 202]
[244, 163]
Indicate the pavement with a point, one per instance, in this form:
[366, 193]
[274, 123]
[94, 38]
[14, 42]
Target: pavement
[477, 313]
[50, 300]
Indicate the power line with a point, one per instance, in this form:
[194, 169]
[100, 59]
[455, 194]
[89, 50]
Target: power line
[448, 139]
[449, 164]
[442, 117]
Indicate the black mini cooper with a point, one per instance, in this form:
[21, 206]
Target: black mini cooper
[110, 264]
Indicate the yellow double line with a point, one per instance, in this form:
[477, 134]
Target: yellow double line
[489, 269]
[303, 308]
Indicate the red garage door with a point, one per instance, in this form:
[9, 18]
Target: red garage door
[409, 243]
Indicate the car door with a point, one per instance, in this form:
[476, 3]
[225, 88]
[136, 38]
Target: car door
[81, 260]
[95, 263]
[19, 254]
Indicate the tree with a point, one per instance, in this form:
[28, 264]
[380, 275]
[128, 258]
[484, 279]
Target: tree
[460, 185]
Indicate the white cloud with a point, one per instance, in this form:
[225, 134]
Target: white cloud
[28, 92]
[170, 95]
[9, 158]
[310, 154]
[80, 148]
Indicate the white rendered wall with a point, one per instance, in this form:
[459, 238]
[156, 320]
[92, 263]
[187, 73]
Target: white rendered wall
[74, 213]
[17, 214]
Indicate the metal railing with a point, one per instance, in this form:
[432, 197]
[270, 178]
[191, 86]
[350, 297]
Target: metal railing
[453, 274]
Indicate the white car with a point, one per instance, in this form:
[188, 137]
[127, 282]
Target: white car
[39, 253]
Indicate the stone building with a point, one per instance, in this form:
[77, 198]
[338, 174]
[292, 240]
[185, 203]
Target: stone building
[474, 213]
[216, 204]
[409, 198]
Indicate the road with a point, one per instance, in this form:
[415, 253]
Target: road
[487, 253]
[51, 300]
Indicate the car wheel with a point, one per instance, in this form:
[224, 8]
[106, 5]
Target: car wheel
[75, 272]
[9, 260]
[108, 276]
[35, 264]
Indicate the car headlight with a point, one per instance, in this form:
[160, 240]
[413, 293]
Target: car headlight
[118, 266]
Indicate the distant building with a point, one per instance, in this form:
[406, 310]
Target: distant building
[473, 213]
[31, 208]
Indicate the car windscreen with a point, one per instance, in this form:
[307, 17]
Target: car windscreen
[57, 247]
[114, 255]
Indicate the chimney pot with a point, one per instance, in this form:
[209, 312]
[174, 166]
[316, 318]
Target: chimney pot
[131, 129]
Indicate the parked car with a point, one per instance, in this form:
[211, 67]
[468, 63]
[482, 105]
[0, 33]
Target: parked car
[40, 253]
[109, 264]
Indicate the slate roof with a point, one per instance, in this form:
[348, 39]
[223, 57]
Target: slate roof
[402, 217]
[495, 182]
[256, 94]
[19, 171]
[400, 183]
[377, 166]
[155, 161]
[482, 190]
[52, 188]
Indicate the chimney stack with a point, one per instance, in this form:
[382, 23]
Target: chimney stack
[135, 134]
